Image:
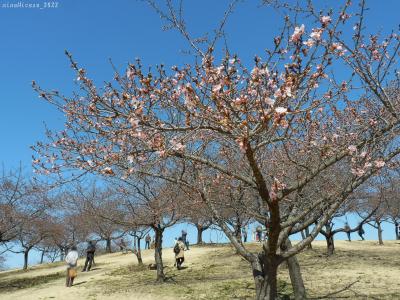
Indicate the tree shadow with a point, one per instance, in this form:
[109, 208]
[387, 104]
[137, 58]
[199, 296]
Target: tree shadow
[335, 293]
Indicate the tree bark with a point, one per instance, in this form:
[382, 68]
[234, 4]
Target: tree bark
[61, 253]
[42, 256]
[108, 245]
[26, 256]
[265, 277]
[200, 230]
[238, 232]
[396, 226]
[330, 243]
[158, 254]
[295, 275]
[380, 232]
[138, 251]
[307, 231]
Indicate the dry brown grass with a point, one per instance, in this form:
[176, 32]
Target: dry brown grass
[358, 270]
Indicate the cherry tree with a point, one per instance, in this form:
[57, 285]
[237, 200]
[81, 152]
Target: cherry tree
[286, 123]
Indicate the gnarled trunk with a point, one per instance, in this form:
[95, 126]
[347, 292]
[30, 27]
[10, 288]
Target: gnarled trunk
[108, 245]
[200, 230]
[158, 254]
[295, 275]
[330, 244]
[265, 277]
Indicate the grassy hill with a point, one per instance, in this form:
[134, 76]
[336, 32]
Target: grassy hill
[358, 270]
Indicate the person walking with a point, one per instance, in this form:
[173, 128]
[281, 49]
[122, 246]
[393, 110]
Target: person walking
[90, 250]
[259, 233]
[72, 261]
[179, 250]
[347, 230]
[148, 240]
[361, 232]
[244, 234]
[184, 239]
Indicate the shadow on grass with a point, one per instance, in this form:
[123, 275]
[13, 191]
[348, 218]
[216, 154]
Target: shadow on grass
[79, 283]
[28, 282]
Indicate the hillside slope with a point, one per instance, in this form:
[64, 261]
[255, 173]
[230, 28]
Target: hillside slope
[359, 270]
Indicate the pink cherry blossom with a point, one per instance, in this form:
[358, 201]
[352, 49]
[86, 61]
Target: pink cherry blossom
[178, 146]
[298, 32]
[309, 43]
[316, 34]
[352, 148]
[107, 171]
[379, 163]
[325, 20]
[281, 110]
[269, 101]
[358, 172]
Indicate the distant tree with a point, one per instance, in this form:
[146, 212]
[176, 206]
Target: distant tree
[13, 188]
[92, 202]
[138, 235]
[30, 232]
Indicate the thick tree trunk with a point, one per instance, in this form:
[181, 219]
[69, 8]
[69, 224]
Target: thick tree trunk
[265, 278]
[158, 254]
[200, 230]
[108, 245]
[295, 275]
[330, 243]
[26, 256]
[380, 233]
[396, 226]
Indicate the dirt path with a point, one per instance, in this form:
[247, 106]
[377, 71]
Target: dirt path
[85, 284]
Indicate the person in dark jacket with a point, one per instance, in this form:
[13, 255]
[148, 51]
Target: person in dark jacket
[90, 250]
[244, 234]
[184, 239]
[259, 233]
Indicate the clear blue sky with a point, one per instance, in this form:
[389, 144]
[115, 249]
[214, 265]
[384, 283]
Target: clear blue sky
[33, 42]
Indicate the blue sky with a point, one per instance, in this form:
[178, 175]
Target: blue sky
[33, 43]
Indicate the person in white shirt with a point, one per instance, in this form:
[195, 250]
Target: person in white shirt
[72, 261]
